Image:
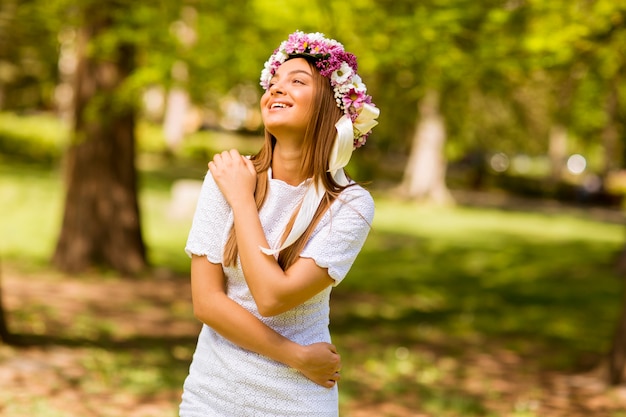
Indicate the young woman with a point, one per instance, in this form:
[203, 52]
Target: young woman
[272, 234]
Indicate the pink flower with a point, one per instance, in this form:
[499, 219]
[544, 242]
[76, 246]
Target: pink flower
[334, 63]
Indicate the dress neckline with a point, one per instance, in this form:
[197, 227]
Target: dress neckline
[304, 183]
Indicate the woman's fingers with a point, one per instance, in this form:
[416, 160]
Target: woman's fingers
[321, 364]
[225, 158]
[334, 380]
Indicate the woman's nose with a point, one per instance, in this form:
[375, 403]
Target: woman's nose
[276, 89]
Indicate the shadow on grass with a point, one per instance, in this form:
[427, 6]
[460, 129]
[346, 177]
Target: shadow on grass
[407, 318]
[560, 299]
[445, 326]
[135, 342]
[148, 366]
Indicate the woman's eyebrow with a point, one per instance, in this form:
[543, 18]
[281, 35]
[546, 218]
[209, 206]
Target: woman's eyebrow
[297, 71]
[300, 71]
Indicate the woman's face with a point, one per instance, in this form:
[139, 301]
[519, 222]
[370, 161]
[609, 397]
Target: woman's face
[286, 105]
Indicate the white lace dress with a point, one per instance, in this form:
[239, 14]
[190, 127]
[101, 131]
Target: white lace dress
[227, 381]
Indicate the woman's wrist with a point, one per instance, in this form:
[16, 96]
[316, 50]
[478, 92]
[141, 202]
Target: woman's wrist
[242, 203]
[293, 355]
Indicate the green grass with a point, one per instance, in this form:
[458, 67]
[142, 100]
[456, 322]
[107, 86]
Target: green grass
[431, 288]
[30, 213]
[477, 272]
[465, 279]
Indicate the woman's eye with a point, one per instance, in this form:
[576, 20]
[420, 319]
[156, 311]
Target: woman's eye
[298, 81]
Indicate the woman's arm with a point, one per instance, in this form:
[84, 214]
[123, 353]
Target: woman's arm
[319, 362]
[274, 290]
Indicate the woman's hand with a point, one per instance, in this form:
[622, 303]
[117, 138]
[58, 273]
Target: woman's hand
[321, 363]
[234, 174]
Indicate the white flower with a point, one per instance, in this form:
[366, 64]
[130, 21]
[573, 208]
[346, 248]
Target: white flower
[357, 84]
[282, 56]
[344, 80]
[318, 37]
[266, 76]
[342, 74]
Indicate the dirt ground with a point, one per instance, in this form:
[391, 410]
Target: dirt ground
[47, 377]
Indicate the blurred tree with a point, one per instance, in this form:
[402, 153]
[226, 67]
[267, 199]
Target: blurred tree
[554, 44]
[121, 49]
[580, 47]
[607, 49]
[427, 58]
[101, 223]
[28, 64]
[617, 352]
[5, 333]
[486, 75]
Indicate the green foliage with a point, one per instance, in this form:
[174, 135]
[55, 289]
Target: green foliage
[32, 138]
[28, 53]
[44, 138]
[506, 70]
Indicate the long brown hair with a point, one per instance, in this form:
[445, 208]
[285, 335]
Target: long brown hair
[316, 148]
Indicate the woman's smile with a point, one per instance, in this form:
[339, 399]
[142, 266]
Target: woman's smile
[286, 105]
[279, 105]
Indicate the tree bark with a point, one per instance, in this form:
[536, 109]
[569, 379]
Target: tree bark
[425, 173]
[101, 223]
[175, 113]
[613, 149]
[557, 151]
[5, 333]
[617, 354]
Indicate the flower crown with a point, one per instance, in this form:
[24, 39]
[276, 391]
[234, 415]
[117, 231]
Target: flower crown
[340, 67]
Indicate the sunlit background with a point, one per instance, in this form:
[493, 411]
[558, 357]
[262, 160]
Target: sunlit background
[492, 280]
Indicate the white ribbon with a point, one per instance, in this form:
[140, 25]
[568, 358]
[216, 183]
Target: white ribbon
[339, 158]
[342, 146]
[367, 118]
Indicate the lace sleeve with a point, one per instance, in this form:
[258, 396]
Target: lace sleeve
[211, 223]
[340, 235]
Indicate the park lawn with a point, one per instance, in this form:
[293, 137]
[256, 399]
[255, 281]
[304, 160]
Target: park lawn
[447, 312]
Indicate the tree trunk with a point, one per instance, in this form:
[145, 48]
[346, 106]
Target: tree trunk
[5, 333]
[557, 152]
[175, 114]
[617, 354]
[425, 173]
[613, 149]
[101, 223]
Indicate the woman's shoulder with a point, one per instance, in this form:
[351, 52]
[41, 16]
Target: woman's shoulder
[357, 198]
[355, 191]
[211, 196]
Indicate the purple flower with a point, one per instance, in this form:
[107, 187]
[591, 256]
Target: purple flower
[334, 63]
